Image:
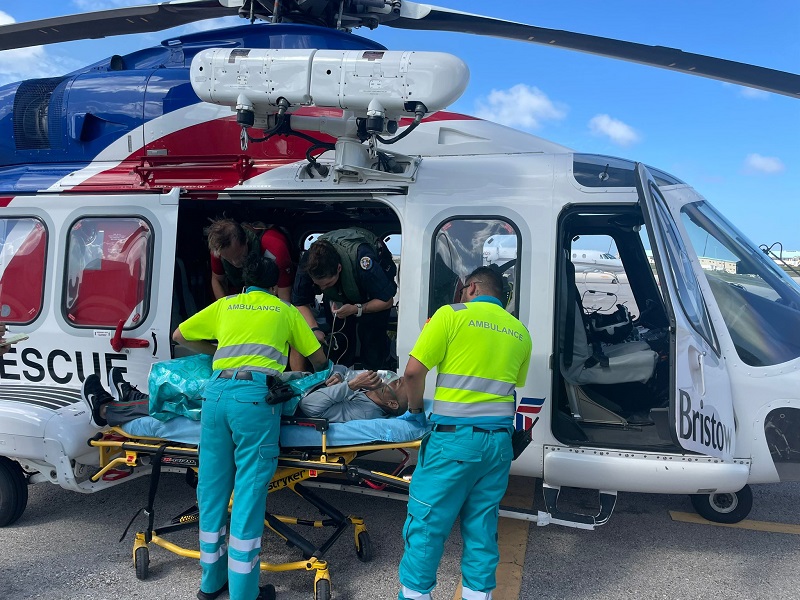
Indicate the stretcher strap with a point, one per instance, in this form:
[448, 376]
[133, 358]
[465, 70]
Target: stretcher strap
[155, 475]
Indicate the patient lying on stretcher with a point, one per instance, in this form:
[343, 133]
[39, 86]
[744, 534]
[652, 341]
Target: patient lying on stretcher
[345, 396]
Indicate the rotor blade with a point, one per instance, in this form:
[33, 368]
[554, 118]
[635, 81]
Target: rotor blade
[118, 21]
[433, 18]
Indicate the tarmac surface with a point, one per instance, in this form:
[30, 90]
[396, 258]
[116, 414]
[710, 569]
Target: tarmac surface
[66, 546]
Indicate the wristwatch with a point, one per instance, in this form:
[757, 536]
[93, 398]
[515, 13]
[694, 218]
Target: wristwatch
[415, 411]
[360, 311]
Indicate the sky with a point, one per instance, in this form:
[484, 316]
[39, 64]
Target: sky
[738, 147]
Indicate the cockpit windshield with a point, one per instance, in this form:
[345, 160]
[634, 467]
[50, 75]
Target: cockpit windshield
[760, 303]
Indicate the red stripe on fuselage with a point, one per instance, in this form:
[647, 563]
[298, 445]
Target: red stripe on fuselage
[204, 156]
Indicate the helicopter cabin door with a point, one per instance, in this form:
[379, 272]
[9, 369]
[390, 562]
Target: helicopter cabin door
[701, 403]
[102, 279]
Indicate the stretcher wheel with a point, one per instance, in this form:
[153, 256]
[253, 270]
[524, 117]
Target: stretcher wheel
[141, 560]
[13, 491]
[322, 590]
[364, 550]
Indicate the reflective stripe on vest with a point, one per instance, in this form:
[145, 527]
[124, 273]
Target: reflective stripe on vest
[504, 408]
[475, 384]
[264, 350]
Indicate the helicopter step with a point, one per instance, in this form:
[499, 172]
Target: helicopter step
[553, 516]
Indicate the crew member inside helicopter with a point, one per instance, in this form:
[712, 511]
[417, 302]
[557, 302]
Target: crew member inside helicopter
[231, 243]
[354, 272]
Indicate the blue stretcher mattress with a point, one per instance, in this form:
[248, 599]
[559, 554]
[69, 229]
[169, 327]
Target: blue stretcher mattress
[405, 428]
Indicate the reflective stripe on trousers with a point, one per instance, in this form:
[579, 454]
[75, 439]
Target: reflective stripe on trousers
[407, 594]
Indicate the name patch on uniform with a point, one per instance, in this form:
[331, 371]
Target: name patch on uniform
[495, 327]
[366, 263]
[253, 307]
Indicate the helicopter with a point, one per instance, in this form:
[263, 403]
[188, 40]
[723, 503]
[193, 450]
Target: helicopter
[108, 175]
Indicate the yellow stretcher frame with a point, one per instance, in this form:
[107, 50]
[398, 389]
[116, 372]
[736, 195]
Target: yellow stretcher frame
[119, 450]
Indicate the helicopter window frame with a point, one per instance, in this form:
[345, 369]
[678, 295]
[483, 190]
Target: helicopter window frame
[43, 279]
[679, 260]
[147, 271]
[434, 303]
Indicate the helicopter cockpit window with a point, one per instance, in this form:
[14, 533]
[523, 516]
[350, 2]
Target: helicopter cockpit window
[759, 302]
[597, 171]
[690, 296]
[23, 251]
[462, 245]
[108, 264]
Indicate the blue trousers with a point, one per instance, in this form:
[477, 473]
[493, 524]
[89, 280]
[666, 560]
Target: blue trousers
[459, 474]
[238, 453]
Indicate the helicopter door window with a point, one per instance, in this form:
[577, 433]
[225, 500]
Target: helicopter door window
[108, 264]
[23, 251]
[680, 266]
[462, 245]
[759, 302]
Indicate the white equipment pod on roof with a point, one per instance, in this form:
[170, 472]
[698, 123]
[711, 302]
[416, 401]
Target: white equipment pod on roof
[346, 79]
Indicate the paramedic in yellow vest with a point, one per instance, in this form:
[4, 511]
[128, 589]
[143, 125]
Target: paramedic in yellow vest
[354, 272]
[239, 428]
[481, 354]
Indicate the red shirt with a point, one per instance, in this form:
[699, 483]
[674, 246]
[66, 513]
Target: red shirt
[275, 246]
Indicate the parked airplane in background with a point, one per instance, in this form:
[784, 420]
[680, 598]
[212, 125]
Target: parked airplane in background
[108, 175]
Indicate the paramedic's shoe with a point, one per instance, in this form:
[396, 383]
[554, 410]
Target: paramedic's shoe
[266, 592]
[201, 595]
[95, 395]
[121, 389]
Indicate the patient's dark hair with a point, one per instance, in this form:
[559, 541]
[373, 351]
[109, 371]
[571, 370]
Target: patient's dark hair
[260, 271]
[489, 281]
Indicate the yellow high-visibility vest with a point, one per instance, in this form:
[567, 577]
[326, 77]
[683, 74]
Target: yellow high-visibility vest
[254, 330]
[481, 353]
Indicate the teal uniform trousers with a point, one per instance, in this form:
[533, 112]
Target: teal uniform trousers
[238, 453]
[463, 474]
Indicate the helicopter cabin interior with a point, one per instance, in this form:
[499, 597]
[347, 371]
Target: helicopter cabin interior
[611, 387]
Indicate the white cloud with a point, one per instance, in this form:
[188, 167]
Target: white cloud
[748, 92]
[521, 106]
[756, 164]
[618, 132]
[30, 63]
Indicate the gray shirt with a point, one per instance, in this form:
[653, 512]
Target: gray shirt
[338, 403]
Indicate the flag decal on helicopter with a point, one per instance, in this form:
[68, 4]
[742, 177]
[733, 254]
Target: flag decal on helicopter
[526, 407]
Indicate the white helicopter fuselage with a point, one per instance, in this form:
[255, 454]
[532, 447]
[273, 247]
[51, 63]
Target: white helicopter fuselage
[704, 430]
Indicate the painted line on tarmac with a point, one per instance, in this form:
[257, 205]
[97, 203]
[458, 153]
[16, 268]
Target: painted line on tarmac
[513, 541]
[766, 526]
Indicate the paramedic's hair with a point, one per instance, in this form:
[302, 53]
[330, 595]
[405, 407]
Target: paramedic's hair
[261, 272]
[488, 280]
[321, 260]
[221, 234]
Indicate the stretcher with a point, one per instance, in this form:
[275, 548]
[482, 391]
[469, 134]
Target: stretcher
[310, 449]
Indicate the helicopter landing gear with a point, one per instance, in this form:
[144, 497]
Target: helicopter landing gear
[724, 508]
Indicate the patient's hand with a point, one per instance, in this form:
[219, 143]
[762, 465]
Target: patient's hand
[334, 379]
[368, 380]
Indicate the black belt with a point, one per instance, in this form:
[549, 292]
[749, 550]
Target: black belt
[475, 429]
[236, 374]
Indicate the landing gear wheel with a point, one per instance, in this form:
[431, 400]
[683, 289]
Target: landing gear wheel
[141, 560]
[724, 508]
[322, 590]
[364, 550]
[13, 491]
[267, 593]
